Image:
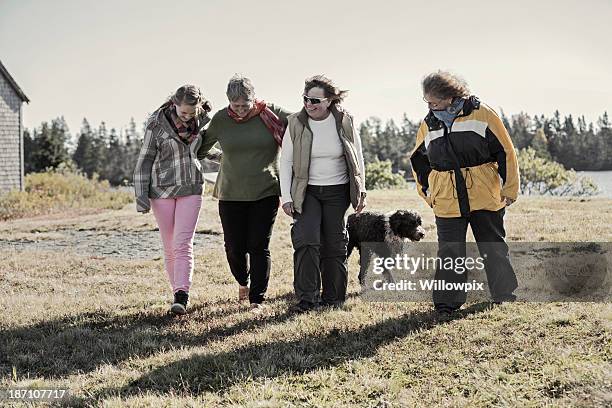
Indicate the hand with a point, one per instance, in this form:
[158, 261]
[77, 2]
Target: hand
[362, 203]
[508, 200]
[288, 208]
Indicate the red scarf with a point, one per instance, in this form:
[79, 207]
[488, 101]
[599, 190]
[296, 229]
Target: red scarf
[269, 118]
[187, 131]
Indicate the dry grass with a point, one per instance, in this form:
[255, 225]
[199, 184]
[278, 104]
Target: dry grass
[59, 190]
[99, 326]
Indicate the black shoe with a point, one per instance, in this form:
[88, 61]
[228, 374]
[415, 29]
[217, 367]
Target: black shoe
[180, 302]
[331, 305]
[504, 299]
[445, 311]
[303, 307]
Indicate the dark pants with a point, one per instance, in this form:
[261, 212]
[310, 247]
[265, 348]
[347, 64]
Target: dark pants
[488, 229]
[320, 242]
[247, 228]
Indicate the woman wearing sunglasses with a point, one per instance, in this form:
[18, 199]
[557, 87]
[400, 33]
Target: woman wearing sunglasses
[466, 169]
[322, 172]
[250, 133]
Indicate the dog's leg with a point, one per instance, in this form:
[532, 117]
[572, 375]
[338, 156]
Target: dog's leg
[387, 251]
[365, 255]
[388, 276]
[349, 248]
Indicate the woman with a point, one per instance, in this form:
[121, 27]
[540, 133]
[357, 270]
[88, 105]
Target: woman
[168, 179]
[466, 169]
[322, 172]
[249, 132]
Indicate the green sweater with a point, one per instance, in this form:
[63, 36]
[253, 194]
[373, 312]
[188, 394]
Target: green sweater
[249, 167]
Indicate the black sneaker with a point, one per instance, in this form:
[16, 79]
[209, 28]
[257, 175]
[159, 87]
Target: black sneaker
[331, 305]
[445, 310]
[303, 307]
[180, 302]
[503, 299]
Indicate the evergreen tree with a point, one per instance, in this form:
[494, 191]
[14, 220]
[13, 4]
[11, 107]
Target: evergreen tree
[100, 149]
[390, 146]
[505, 121]
[604, 135]
[133, 142]
[369, 131]
[50, 141]
[572, 149]
[522, 130]
[539, 143]
[555, 137]
[408, 131]
[84, 155]
[113, 169]
[29, 152]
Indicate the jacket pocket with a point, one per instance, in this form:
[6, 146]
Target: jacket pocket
[485, 190]
[432, 183]
[165, 177]
[166, 165]
[443, 191]
[489, 177]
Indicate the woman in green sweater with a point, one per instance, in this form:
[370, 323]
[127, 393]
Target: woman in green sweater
[250, 133]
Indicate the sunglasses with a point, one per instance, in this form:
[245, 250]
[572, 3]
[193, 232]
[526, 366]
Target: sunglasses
[314, 101]
[434, 103]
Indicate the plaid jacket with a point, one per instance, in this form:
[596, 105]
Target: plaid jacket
[166, 166]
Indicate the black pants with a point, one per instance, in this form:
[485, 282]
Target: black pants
[488, 229]
[247, 228]
[320, 242]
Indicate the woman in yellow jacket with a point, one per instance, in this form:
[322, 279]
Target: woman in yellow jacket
[465, 168]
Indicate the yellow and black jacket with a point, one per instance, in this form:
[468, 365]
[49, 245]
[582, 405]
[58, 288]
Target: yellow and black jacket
[458, 170]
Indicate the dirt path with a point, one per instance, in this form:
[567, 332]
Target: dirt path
[117, 244]
[120, 234]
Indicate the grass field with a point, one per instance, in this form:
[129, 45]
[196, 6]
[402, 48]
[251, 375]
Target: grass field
[98, 325]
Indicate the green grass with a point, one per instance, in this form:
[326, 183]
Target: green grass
[99, 326]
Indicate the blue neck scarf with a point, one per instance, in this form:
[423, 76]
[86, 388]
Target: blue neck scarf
[449, 114]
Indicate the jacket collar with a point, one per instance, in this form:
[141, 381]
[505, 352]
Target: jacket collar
[471, 104]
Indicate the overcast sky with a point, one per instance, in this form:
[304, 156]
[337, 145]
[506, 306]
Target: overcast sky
[111, 60]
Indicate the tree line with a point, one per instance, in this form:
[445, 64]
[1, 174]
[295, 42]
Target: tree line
[574, 144]
[112, 154]
[109, 154]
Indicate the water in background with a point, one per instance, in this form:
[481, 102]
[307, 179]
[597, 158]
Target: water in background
[603, 179]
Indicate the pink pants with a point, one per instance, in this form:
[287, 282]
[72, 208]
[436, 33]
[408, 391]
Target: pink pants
[177, 219]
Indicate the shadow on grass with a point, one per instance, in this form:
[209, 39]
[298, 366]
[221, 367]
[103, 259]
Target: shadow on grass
[220, 371]
[83, 342]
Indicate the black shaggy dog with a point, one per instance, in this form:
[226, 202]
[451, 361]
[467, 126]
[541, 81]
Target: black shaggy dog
[370, 226]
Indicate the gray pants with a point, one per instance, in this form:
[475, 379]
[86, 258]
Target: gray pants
[320, 241]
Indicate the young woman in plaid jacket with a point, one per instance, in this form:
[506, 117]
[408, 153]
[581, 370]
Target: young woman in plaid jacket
[168, 179]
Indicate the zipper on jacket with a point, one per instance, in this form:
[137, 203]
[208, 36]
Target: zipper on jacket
[191, 178]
